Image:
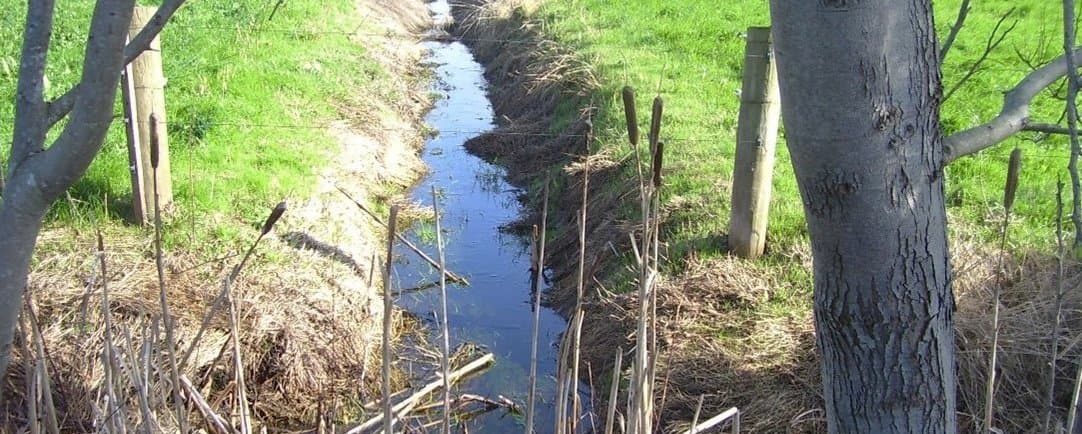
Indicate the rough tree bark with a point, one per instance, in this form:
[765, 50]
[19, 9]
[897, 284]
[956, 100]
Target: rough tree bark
[860, 87]
[37, 174]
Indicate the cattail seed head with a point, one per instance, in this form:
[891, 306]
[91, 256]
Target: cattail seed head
[275, 214]
[1011, 188]
[154, 153]
[632, 117]
[655, 122]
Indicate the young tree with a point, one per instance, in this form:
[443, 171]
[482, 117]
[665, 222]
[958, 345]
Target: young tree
[860, 88]
[37, 174]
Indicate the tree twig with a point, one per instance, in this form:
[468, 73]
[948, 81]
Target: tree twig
[963, 12]
[994, 39]
[1012, 118]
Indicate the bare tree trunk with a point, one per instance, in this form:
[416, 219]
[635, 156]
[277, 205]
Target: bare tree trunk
[860, 87]
[38, 175]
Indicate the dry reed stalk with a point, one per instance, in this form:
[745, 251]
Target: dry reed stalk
[45, 387]
[238, 363]
[268, 224]
[1009, 191]
[139, 382]
[614, 392]
[114, 408]
[539, 267]
[411, 401]
[641, 393]
[445, 355]
[1072, 412]
[730, 414]
[580, 282]
[214, 421]
[167, 318]
[388, 415]
[1057, 309]
[32, 414]
[406, 242]
[698, 411]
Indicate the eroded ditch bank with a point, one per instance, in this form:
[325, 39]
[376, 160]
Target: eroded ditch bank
[533, 79]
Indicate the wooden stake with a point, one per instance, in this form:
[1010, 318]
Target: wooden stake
[146, 84]
[756, 137]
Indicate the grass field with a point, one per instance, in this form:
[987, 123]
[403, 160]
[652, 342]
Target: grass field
[248, 100]
[691, 53]
[760, 348]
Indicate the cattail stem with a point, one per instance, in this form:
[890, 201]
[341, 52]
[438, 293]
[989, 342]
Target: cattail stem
[445, 359]
[388, 306]
[1009, 190]
[1057, 310]
[539, 267]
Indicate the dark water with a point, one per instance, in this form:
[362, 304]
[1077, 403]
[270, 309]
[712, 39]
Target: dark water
[495, 310]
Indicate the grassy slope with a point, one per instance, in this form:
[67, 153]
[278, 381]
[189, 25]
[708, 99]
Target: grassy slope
[691, 53]
[248, 101]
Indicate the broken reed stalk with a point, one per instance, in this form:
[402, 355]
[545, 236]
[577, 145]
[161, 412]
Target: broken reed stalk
[214, 421]
[388, 306]
[698, 411]
[45, 387]
[411, 401]
[445, 355]
[238, 364]
[167, 318]
[141, 388]
[1009, 191]
[1057, 310]
[539, 267]
[32, 414]
[614, 392]
[1072, 412]
[406, 242]
[730, 414]
[227, 284]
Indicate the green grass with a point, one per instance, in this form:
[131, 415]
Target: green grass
[691, 53]
[247, 102]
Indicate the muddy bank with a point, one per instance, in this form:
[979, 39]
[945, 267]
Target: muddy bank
[308, 310]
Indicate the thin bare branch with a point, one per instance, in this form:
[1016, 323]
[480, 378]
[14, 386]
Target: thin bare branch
[30, 94]
[1072, 119]
[1047, 129]
[994, 39]
[1012, 118]
[963, 12]
[63, 105]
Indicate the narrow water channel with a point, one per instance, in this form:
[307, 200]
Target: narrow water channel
[495, 310]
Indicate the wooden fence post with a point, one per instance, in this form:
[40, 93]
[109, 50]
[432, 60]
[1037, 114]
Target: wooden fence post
[756, 137]
[144, 94]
